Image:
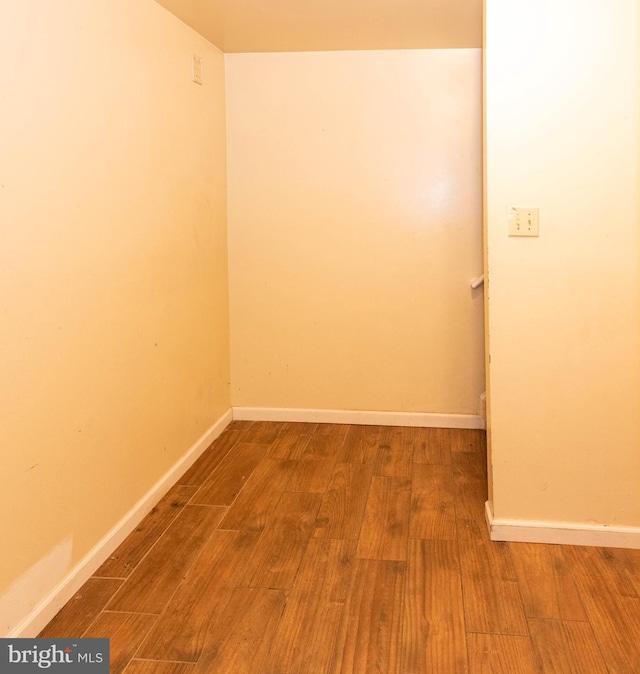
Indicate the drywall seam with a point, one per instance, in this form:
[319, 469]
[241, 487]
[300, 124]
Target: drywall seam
[45, 609]
[420, 419]
[561, 533]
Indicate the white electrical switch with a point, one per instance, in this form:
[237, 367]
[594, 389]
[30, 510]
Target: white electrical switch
[523, 221]
[196, 67]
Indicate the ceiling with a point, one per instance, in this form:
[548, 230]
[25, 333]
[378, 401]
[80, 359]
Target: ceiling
[329, 25]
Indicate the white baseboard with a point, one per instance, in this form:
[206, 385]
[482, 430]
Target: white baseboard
[468, 421]
[47, 608]
[561, 533]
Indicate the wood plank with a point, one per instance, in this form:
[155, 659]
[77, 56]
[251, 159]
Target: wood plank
[263, 432]
[393, 436]
[433, 631]
[180, 633]
[546, 582]
[502, 654]
[332, 429]
[467, 440]
[259, 496]
[433, 513]
[470, 485]
[566, 646]
[312, 477]
[322, 447]
[360, 444]
[224, 483]
[283, 541]
[630, 564]
[290, 443]
[394, 457]
[490, 588]
[155, 579]
[611, 604]
[309, 630]
[125, 632]
[385, 529]
[237, 425]
[241, 639]
[210, 459]
[342, 509]
[583, 603]
[301, 427]
[429, 445]
[82, 609]
[372, 620]
[157, 667]
[317, 462]
[130, 552]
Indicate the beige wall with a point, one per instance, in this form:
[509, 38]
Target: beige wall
[354, 229]
[563, 133]
[113, 291]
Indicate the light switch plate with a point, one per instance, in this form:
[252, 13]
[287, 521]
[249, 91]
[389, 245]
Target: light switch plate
[523, 221]
[196, 68]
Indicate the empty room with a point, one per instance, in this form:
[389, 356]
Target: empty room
[320, 335]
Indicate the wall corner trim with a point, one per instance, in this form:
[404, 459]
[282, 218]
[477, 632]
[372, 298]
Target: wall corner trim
[362, 417]
[561, 533]
[48, 606]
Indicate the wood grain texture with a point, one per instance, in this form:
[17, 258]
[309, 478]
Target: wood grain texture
[239, 425]
[429, 445]
[125, 632]
[611, 604]
[290, 443]
[279, 550]
[372, 620]
[156, 667]
[300, 427]
[259, 496]
[433, 513]
[394, 457]
[385, 528]
[465, 440]
[181, 631]
[629, 562]
[310, 627]
[312, 477]
[470, 485]
[155, 579]
[210, 459]
[332, 429]
[334, 608]
[322, 448]
[317, 460]
[433, 631]
[128, 555]
[490, 587]
[224, 483]
[502, 654]
[360, 444]
[546, 582]
[240, 640]
[81, 610]
[263, 432]
[566, 646]
[342, 509]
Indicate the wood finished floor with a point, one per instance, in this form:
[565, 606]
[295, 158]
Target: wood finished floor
[326, 549]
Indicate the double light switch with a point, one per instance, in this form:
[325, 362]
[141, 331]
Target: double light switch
[523, 221]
